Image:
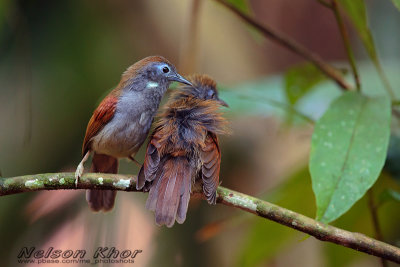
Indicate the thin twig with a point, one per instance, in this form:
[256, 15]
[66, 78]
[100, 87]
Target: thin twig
[378, 66]
[346, 42]
[292, 45]
[324, 3]
[375, 221]
[396, 113]
[228, 197]
[385, 80]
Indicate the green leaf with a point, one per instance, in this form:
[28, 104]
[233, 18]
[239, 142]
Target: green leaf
[348, 151]
[242, 5]
[359, 220]
[299, 80]
[396, 3]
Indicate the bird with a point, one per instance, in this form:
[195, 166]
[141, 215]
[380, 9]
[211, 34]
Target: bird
[183, 149]
[122, 121]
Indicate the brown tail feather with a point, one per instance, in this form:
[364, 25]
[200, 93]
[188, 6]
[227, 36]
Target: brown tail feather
[184, 201]
[170, 191]
[102, 199]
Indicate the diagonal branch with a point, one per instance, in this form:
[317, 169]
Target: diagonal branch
[321, 231]
[292, 45]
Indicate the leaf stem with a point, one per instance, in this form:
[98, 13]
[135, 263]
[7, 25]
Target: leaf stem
[385, 80]
[325, 4]
[375, 221]
[346, 42]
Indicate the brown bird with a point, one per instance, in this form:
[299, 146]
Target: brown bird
[120, 124]
[183, 148]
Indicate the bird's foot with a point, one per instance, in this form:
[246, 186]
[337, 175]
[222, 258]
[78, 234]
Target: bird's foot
[80, 169]
[78, 173]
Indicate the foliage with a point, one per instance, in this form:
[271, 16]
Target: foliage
[350, 140]
[396, 3]
[348, 150]
[299, 80]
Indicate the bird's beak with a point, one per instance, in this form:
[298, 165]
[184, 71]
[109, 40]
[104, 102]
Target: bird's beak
[179, 78]
[223, 103]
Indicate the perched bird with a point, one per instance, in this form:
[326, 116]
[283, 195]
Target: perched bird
[183, 148]
[120, 124]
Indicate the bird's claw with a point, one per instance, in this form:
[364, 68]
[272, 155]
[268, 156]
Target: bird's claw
[80, 169]
[78, 174]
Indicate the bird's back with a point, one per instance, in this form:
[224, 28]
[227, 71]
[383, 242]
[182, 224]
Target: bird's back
[186, 122]
[185, 137]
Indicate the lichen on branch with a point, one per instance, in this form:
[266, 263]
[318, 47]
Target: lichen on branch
[228, 197]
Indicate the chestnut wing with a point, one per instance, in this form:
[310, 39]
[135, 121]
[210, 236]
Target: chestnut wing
[101, 116]
[210, 156]
[148, 171]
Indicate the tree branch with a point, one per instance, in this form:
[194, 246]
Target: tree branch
[321, 231]
[292, 45]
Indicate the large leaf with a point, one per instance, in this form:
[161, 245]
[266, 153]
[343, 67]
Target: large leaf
[300, 79]
[396, 3]
[348, 150]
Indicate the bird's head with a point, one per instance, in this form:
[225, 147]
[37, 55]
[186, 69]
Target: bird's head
[203, 87]
[154, 72]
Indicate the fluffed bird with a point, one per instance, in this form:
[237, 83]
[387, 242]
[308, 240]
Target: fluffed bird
[121, 122]
[182, 149]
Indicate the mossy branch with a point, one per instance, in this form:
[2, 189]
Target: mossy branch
[228, 197]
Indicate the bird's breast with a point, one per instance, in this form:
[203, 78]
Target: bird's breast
[125, 133]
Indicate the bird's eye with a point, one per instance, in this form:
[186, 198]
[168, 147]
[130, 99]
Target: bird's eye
[165, 69]
[211, 94]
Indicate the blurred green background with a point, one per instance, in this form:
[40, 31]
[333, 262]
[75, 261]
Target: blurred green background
[59, 58]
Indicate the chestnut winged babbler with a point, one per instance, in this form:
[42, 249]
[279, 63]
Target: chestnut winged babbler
[121, 122]
[182, 149]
